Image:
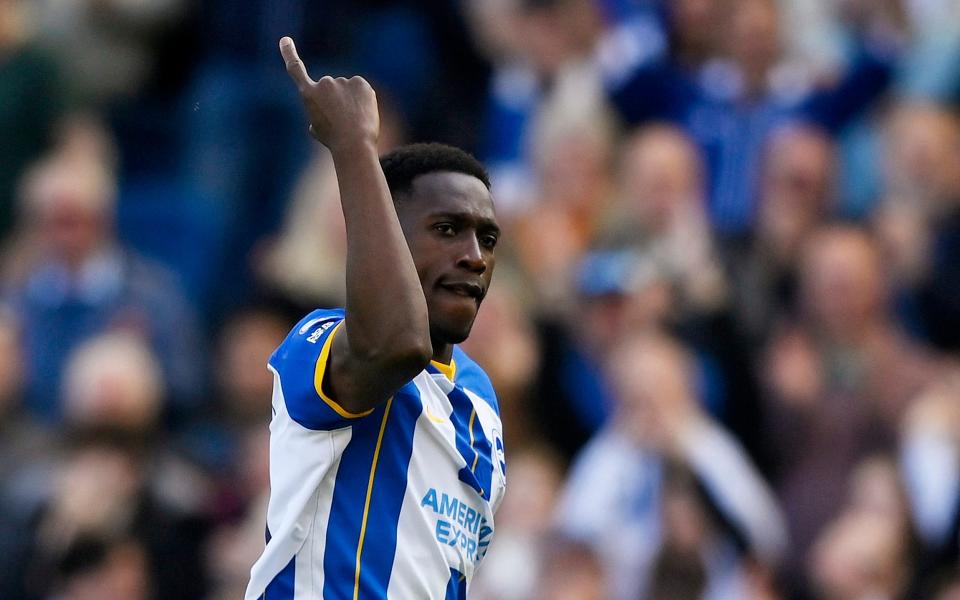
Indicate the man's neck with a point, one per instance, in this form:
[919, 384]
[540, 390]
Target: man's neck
[442, 352]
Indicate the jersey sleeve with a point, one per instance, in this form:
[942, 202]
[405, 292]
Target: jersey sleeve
[300, 363]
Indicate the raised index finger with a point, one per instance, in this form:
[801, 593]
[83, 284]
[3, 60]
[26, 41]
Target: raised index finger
[295, 67]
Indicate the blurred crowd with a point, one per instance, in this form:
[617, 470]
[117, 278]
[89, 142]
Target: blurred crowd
[724, 328]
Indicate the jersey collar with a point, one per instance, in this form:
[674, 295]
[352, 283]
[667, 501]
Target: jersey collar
[450, 371]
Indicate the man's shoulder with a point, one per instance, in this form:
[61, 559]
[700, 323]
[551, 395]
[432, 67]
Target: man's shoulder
[471, 376]
[305, 339]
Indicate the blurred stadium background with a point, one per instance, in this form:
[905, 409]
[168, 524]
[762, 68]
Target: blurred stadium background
[724, 328]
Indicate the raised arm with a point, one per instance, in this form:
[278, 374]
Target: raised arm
[384, 340]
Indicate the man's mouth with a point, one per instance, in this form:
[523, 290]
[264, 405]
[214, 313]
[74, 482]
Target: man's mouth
[465, 289]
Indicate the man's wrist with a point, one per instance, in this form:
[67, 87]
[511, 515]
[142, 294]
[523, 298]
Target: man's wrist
[355, 145]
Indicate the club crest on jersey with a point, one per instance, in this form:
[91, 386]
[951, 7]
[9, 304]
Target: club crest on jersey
[501, 457]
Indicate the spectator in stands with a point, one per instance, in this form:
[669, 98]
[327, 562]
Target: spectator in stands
[545, 71]
[918, 220]
[619, 292]
[113, 393]
[661, 209]
[730, 106]
[929, 457]
[73, 280]
[868, 550]
[661, 212]
[840, 379]
[622, 500]
[95, 42]
[573, 151]
[573, 570]
[797, 195]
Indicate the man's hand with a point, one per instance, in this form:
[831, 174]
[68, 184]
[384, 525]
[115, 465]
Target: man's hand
[342, 111]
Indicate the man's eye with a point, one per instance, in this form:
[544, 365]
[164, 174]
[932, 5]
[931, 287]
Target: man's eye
[444, 228]
[489, 241]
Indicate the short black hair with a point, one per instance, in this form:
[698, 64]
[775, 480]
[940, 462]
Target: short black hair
[404, 164]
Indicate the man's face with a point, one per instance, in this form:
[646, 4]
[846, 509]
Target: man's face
[449, 223]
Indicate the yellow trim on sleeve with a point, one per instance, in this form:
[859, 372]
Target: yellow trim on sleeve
[318, 372]
[366, 503]
[449, 370]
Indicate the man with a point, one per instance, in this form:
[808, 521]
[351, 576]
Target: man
[386, 453]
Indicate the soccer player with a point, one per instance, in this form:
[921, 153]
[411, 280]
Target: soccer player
[386, 452]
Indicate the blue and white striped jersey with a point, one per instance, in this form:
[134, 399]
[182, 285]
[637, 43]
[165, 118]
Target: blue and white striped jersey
[393, 503]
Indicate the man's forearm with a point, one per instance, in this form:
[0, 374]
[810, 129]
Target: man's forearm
[386, 310]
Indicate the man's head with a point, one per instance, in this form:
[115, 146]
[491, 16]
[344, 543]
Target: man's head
[797, 187]
[843, 284]
[443, 202]
[661, 176]
[70, 202]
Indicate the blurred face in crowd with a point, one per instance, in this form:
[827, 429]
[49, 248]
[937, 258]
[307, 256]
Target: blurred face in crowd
[556, 31]
[572, 572]
[651, 380]
[70, 202]
[573, 168]
[246, 343]
[861, 555]
[95, 493]
[696, 24]
[923, 156]
[876, 488]
[754, 36]
[529, 507]
[113, 381]
[642, 302]
[842, 284]
[661, 176]
[797, 186]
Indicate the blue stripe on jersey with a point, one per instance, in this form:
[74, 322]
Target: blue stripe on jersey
[388, 493]
[456, 586]
[367, 497]
[470, 376]
[472, 443]
[282, 586]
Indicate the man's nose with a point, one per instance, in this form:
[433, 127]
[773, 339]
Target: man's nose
[471, 256]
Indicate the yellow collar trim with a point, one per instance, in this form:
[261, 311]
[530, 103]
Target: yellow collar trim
[449, 370]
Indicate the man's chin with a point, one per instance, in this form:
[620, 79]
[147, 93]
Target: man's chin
[449, 333]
